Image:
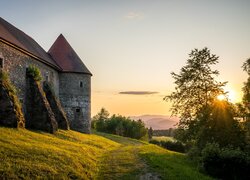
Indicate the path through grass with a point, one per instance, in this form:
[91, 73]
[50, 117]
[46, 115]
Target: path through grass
[136, 160]
[28, 154]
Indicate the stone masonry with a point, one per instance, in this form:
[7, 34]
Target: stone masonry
[75, 93]
[60, 66]
[10, 110]
[39, 113]
[56, 107]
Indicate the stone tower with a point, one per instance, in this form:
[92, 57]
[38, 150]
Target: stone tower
[74, 85]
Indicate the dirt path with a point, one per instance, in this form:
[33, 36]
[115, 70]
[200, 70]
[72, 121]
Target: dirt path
[125, 163]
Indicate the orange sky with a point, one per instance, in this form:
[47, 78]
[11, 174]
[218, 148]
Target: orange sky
[134, 45]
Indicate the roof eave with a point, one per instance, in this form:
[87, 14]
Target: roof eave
[76, 72]
[29, 54]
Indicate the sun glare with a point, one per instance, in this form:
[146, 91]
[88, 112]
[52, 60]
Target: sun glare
[221, 97]
[231, 96]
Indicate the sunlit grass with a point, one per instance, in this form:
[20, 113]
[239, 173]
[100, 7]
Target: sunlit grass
[138, 157]
[68, 154]
[163, 138]
[27, 154]
[169, 164]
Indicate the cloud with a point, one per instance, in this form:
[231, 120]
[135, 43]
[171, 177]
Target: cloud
[138, 92]
[134, 16]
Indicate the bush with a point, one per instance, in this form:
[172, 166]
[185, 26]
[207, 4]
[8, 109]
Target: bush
[153, 141]
[173, 146]
[170, 145]
[226, 163]
[34, 72]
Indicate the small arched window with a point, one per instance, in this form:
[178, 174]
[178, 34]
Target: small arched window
[81, 84]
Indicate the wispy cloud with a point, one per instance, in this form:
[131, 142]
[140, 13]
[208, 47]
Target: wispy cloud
[134, 16]
[138, 92]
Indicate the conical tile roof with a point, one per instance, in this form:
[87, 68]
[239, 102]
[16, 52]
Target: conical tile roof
[65, 56]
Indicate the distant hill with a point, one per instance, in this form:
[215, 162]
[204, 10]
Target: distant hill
[157, 122]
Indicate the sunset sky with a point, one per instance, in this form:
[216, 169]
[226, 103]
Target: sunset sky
[132, 46]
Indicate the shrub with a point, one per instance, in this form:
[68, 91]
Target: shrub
[34, 72]
[226, 163]
[173, 146]
[153, 141]
[170, 145]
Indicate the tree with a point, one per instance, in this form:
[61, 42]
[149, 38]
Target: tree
[98, 121]
[150, 133]
[246, 99]
[195, 91]
[221, 127]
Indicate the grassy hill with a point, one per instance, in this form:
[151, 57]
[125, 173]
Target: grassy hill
[70, 155]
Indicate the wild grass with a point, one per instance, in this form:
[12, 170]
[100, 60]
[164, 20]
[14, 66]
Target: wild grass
[163, 138]
[71, 155]
[169, 164]
[31, 155]
[136, 158]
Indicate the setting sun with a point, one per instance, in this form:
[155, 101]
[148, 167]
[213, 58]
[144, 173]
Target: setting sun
[230, 95]
[221, 97]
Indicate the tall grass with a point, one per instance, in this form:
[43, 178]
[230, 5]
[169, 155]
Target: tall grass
[68, 154]
[71, 155]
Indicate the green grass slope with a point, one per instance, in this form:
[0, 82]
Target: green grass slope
[135, 159]
[68, 154]
[71, 155]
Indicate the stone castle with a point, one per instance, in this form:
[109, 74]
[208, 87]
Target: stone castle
[60, 66]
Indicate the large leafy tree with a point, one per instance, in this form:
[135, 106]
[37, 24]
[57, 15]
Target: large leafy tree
[246, 89]
[195, 91]
[246, 99]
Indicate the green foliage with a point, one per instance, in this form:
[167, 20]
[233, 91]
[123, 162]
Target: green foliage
[150, 133]
[245, 110]
[170, 145]
[225, 163]
[221, 127]
[196, 86]
[209, 125]
[203, 119]
[3, 76]
[34, 72]
[98, 121]
[119, 125]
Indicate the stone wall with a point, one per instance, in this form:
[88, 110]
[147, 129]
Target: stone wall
[39, 113]
[15, 64]
[11, 114]
[56, 107]
[75, 94]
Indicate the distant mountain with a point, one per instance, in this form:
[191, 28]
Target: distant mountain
[157, 122]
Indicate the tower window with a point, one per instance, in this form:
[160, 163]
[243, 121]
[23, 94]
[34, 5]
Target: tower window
[47, 78]
[77, 110]
[81, 84]
[1, 62]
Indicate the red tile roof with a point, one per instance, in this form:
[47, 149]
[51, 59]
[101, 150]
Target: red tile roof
[66, 57]
[19, 39]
